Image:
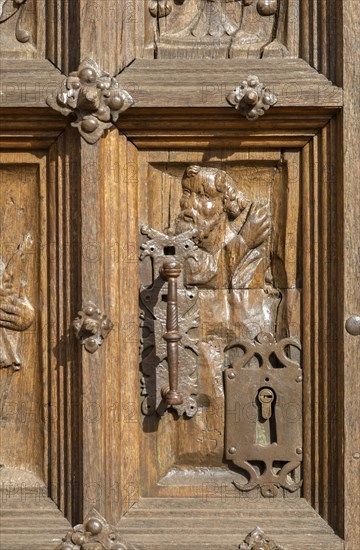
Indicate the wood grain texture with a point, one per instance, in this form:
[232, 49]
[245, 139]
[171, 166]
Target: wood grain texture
[63, 384]
[30, 519]
[350, 276]
[181, 115]
[217, 522]
[23, 208]
[26, 83]
[320, 44]
[107, 32]
[322, 348]
[181, 83]
[197, 129]
[108, 271]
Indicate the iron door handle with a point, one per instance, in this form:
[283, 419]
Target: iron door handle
[170, 271]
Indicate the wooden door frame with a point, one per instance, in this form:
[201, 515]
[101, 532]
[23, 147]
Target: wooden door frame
[29, 125]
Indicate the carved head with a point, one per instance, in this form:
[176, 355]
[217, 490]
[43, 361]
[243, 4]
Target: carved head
[208, 199]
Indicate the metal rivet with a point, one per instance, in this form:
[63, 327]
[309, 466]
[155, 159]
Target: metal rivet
[232, 450]
[231, 375]
[299, 451]
[356, 455]
[299, 378]
[352, 325]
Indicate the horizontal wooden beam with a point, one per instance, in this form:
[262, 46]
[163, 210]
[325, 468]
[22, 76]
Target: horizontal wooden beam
[206, 83]
[200, 128]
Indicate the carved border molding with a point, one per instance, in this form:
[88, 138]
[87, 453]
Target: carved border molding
[94, 97]
[257, 540]
[91, 327]
[251, 98]
[94, 534]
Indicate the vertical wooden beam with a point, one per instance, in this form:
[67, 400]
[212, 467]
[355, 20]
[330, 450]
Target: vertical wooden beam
[63, 388]
[102, 384]
[351, 254]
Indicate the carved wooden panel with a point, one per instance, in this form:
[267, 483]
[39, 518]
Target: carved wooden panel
[23, 319]
[22, 24]
[175, 102]
[219, 28]
[36, 390]
[244, 287]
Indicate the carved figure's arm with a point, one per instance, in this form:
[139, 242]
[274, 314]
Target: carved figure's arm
[16, 312]
[257, 226]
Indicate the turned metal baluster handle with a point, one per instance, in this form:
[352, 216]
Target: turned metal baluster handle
[170, 271]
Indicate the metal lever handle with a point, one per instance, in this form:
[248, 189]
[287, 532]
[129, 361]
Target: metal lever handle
[170, 271]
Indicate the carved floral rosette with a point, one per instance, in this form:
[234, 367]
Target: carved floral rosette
[91, 327]
[251, 98]
[94, 534]
[154, 366]
[94, 97]
[257, 540]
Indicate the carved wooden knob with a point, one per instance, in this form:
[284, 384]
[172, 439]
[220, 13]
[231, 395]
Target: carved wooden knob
[170, 269]
[267, 7]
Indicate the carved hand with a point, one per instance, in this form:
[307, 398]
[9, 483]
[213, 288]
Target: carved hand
[16, 312]
[256, 227]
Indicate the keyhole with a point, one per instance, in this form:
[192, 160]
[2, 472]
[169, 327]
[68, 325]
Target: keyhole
[266, 427]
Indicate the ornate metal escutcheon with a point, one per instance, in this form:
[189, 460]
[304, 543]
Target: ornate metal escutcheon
[264, 411]
[168, 356]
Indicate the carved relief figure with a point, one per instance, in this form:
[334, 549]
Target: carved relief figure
[8, 10]
[220, 239]
[233, 27]
[228, 229]
[16, 312]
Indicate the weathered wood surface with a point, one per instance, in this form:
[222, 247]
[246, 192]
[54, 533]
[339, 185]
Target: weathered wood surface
[349, 274]
[28, 519]
[223, 523]
[193, 129]
[192, 83]
[114, 32]
[27, 83]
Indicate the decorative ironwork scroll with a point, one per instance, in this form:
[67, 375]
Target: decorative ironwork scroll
[265, 438]
[94, 96]
[257, 540]
[91, 327]
[94, 534]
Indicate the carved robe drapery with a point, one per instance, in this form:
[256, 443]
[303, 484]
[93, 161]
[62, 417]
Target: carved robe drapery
[16, 312]
[8, 354]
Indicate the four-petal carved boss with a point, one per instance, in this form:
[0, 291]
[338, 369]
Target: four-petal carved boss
[251, 98]
[94, 96]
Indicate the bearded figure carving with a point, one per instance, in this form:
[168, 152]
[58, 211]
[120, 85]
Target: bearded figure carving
[220, 238]
[228, 228]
